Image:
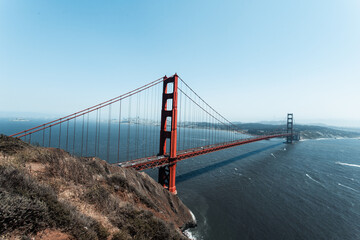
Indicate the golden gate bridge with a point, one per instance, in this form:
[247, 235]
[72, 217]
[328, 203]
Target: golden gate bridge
[154, 126]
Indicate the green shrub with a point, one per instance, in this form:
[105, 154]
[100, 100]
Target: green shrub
[120, 235]
[21, 213]
[101, 231]
[30, 207]
[9, 145]
[123, 183]
[142, 224]
[97, 195]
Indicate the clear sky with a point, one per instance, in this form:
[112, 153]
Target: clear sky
[251, 60]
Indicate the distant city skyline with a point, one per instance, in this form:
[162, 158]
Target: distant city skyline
[251, 61]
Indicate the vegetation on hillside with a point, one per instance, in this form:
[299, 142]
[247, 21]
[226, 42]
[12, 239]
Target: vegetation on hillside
[306, 131]
[47, 193]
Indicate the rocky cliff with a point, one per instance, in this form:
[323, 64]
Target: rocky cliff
[46, 193]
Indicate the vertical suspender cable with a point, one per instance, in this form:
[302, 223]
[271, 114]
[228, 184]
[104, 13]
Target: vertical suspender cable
[185, 130]
[145, 127]
[137, 126]
[87, 135]
[108, 136]
[178, 123]
[74, 138]
[190, 126]
[50, 136]
[82, 135]
[96, 130]
[99, 135]
[153, 123]
[43, 131]
[128, 135]
[153, 116]
[59, 134]
[67, 134]
[213, 130]
[118, 153]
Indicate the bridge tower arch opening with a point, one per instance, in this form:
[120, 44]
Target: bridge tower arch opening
[167, 173]
[290, 128]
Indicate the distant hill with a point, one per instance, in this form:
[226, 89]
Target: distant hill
[272, 122]
[348, 129]
[306, 131]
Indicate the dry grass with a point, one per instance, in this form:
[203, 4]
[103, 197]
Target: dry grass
[133, 223]
[47, 188]
[29, 207]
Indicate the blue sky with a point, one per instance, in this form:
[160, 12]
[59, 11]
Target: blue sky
[251, 60]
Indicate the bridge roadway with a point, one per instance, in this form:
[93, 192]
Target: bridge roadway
[158, 161]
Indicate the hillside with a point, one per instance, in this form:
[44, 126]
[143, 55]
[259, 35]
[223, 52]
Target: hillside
[46, 193]
[306, 131]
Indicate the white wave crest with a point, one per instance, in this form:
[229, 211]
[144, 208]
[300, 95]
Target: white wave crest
[189, 235]
[313, 179]
[348, 164]
[348, 187]
[193, 216]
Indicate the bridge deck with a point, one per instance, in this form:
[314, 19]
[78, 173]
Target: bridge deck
[158, 161]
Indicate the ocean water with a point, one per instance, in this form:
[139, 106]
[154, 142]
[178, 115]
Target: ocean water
[267, 189]
[271, 190]
[86, 138]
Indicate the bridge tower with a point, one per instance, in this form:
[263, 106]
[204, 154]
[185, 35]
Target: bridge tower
[290, 129]
[167, 173]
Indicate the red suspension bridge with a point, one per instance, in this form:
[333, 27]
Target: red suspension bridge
[154, 126]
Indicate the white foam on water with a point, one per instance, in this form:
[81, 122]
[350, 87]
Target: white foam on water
[235, 169]
[189, 235]
[187, 232]
[313, 179]
[347, 187]
[348, 164]
[352, 179]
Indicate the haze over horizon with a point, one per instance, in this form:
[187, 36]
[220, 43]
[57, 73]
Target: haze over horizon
[316, 122]
[251, 61]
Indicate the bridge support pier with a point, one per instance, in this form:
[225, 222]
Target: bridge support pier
[289, 128]
[167, 174]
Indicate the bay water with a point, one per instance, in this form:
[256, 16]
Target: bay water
[269, 189]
